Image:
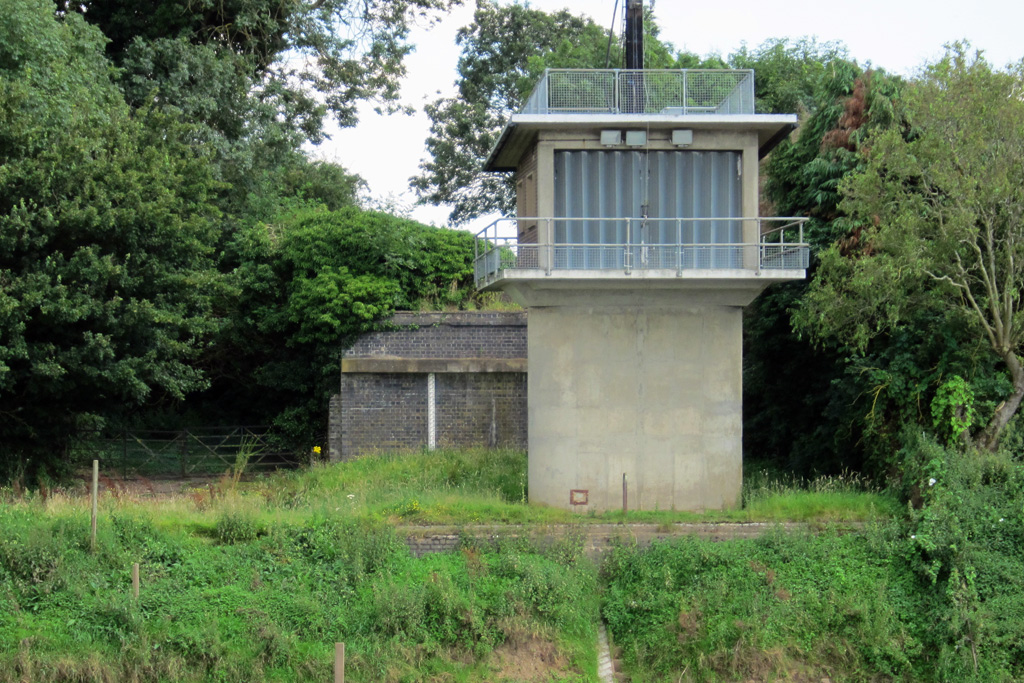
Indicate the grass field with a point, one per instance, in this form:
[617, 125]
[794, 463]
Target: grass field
[256, 579]
[451, 487]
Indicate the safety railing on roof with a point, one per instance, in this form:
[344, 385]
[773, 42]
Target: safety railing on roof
[643, 91]
[627, 244]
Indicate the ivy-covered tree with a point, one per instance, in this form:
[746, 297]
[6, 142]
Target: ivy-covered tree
[796, 407]
[106, 233]
[941, 208]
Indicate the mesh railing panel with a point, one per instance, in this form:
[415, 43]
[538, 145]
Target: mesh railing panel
[644, 92]
[784, 257]
[581, 91]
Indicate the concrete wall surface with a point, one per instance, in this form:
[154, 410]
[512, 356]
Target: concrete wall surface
[652, 392]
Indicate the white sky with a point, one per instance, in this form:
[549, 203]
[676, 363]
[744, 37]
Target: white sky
[898, 35]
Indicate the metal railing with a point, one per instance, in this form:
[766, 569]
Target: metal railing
[643, 91]
[627, 244]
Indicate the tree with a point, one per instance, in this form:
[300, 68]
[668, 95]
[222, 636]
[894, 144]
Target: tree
[106, 234]
[297, 58]
[504, 53]
[257, 78]
[799, 398]
[787, 73]
[942, 214]
[309, 282]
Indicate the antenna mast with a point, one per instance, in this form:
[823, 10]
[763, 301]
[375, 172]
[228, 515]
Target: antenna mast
[634, 34]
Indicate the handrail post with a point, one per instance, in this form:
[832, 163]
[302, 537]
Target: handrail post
[684, 84]
[627, 254]
[679, 247]
[549, 251]
[615, 87]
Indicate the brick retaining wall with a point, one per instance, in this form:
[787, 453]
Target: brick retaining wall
[478, 360]
[598, 539]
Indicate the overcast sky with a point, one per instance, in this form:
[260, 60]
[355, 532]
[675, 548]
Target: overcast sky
[898, 35]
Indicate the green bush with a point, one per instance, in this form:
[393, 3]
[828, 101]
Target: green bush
[266, 601]
[781, 604]
[968, 550]
[237, 526]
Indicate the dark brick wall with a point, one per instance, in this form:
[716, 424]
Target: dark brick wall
[382, 413]
[447, 335]
[379, 412]
[481, 409]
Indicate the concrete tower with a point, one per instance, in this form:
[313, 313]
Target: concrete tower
[637, 243]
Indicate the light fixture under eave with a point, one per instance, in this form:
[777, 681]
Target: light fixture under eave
[682, 138]
[636, 138]
[611, 138]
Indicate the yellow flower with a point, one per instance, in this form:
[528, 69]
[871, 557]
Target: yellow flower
[316, 450]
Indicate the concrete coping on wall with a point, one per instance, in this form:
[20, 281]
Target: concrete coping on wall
[599, 539]
[459, 318]
[396, 365]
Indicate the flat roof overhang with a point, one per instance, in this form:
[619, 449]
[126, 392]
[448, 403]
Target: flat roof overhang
[522, 129]
[728, 287]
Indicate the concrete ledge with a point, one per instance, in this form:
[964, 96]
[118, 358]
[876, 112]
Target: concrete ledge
[459, 318]
[599, 539]
[393, 365]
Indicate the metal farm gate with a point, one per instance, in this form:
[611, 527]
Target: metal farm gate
[188, 452]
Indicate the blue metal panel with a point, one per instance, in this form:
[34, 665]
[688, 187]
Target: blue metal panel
[660, 186]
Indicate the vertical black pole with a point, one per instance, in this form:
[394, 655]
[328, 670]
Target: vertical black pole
[634, 38]
[635, 34]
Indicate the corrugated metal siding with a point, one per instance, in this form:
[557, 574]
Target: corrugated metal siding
[661, 185]
[526, 196]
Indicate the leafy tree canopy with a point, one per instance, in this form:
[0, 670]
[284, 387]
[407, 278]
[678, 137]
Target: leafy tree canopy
[787, 73]
[301, 58]
[106, 229]
[798, 397]
[941, 223]
[311, 281]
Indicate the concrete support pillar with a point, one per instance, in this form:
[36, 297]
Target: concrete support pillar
[652, 392]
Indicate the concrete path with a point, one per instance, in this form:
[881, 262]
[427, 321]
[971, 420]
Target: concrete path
[605, 667]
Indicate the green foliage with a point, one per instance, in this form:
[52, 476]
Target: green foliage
[237, 526]
[259, 65]
[270, 607]
[800, 398]
[782, 606]
[309, 282]
[106, 234]
[967, 542]
[939, 205]
[787, 73]
[953, 409]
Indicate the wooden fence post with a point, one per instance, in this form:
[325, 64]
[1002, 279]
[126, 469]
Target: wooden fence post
[95, 502]
[339, 663]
